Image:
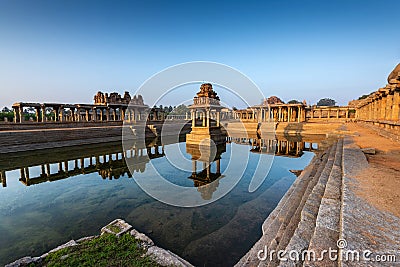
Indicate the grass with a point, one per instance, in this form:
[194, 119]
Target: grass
[114, 229]
[106, 250]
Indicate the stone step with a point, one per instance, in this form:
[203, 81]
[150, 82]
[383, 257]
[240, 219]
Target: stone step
[326, 231]
[296, 217]
[307, 214]
[273, 222]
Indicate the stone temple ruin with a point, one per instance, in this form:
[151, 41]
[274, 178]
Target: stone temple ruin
[106, 107]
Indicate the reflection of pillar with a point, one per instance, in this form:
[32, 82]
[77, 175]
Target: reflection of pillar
[66, 166]
[193, 167]
[3, 178]
[27, 173]
[218, 166]
[48, 169]
[22, 172]
[208, 170]
[218, 118]
[82, 163]
[43, 173]
[60, 169]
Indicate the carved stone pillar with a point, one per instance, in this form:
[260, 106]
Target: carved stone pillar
[396, 106]
[21, 114]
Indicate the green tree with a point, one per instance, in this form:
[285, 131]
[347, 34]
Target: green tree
[180, 110]
[294, 101]
[326, 102]
[365, 96]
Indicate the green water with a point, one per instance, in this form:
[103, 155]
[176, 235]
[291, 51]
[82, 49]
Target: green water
[38, 214]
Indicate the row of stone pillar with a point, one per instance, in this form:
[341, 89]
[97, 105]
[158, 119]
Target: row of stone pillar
[278, 114]
[330, 111]
[385, 107]
[82, 114]
[205, 117]
[207, 167]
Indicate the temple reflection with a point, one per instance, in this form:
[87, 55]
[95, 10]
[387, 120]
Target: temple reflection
[108, 160]
[280, 146]
[206, 179]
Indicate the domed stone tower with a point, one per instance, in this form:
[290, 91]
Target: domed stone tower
[205, 116]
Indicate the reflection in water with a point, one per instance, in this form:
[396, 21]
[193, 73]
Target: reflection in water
[205, 180]
[72, 208]
[109, 161]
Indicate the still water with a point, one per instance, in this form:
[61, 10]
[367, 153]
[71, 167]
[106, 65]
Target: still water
[51, 196]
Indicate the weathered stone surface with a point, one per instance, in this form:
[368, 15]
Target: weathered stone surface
[166, 257]
[87, 238]
[117, 223]
[25, 261]
[142, 237]
[394, 75]
[70, 243]
[369, 150]
[323, 239]
[363, 226]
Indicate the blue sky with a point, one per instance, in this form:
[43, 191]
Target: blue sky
[65, 51]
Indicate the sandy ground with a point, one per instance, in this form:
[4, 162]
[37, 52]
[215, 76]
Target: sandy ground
[380, 183]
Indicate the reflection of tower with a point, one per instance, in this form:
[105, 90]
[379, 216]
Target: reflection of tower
[206, 180]
[205, 115]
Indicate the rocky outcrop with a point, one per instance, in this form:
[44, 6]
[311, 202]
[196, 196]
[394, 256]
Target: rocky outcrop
[161, 256]
[394, 75]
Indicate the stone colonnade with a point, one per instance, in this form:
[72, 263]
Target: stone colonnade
[81, 113]
[382, 105]
[291, 113]
[317, 112]
[205, 117]
[274, 112]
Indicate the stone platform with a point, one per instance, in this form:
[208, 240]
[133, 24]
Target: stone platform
[206, 136]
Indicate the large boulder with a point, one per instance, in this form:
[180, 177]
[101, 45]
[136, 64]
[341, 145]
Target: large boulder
[394, 75]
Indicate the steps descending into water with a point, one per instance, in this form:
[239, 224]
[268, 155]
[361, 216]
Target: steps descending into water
[308, 215]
